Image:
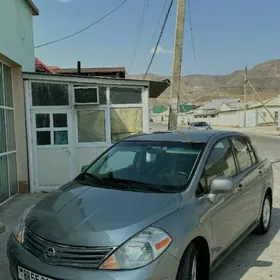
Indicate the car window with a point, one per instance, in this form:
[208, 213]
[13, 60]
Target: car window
[252, 153]
[220, 163]
[164, 164]
[243, 153]
[118, 161]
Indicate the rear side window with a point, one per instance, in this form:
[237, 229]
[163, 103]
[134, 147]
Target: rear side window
[244, 153]
[220, 163]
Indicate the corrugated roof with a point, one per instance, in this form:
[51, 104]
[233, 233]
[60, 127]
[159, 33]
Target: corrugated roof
[34, 9]
[91, 70]
[159, 109]
[216, 103]
[184, 108]
[41, 66]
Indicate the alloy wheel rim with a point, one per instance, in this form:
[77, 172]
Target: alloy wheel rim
[194, 266]
[266, 213]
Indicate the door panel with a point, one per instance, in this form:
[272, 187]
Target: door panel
[226, 210]
[250, 180]
[52, 135]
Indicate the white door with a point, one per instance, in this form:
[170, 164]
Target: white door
[52, 148]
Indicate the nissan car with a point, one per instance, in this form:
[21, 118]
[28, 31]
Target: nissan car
[165, 205]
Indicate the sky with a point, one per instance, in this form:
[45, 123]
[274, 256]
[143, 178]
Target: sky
[228, 34]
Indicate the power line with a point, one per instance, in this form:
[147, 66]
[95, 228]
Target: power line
[85, 28]
[140, 30]
[158, 22]
[191, 30]
[158, 41]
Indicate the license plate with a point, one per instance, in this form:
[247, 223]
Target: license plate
[24, 274]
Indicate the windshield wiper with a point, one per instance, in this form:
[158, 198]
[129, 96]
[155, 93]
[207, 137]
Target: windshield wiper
[137, 184]
[94, 178]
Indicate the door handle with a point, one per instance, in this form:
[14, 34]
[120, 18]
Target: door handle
[240, 187]
[260, 173]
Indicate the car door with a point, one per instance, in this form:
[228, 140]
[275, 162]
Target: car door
[225, 212]
[250, 181]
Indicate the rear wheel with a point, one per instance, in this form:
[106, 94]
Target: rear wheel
[265, 219]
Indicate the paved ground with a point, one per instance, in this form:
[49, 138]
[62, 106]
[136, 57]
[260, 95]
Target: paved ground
[256, 258]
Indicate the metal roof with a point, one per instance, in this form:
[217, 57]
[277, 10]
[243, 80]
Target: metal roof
[216, 103]
[156, 88]
[33, 8]
[90, 70]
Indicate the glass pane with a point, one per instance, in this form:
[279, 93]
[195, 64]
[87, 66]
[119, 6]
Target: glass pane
[242, 152]
[10, 130]
[43, 138]
[125, 95]
[7, 74]
[102, 95]
[4, 181]
[1, 86]
[42, 120]
[86, 95]
[60, 120]
[91, 126]
[120, 160]
[12, 161]
[125, 122]
[3, 144]
[61, 137]
[44, 94]
[220, 162]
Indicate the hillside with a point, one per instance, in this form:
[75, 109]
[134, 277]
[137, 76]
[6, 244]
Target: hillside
[265, 77]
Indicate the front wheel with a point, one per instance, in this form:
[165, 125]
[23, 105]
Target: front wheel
[265, 219]
[188, 269]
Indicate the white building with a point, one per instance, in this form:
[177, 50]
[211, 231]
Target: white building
[16, 55]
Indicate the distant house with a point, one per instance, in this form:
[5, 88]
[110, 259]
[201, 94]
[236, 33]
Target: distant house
[185, 108]
[41, 67]
[112, 72]
[215, 106]
[159, 109]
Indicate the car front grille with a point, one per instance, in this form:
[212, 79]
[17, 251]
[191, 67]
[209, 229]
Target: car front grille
[64, 255]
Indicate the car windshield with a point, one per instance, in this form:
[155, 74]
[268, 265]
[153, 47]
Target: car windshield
[166, 166]
[200, 124]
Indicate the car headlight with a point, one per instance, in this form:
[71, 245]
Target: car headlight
[138, 251]
[20, 227]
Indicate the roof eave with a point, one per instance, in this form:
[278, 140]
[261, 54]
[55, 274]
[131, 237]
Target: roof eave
[156, 88]
[34, 9]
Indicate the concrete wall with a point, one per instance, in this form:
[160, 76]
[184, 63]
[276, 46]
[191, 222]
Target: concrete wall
[20, 129]
[16, 33]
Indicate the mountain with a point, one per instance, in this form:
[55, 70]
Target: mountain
[265, 78]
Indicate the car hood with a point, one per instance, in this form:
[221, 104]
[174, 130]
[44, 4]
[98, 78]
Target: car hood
[91, 216]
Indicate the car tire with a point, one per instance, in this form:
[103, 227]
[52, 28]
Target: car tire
[265, 220]
[189, 265]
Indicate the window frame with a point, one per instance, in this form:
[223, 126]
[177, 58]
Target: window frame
[206, 190]
[96, 143]
[86, 103]
[247, 142]
[5, 109]
[43, 107]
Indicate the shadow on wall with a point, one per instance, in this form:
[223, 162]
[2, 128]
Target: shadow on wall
[247, 256]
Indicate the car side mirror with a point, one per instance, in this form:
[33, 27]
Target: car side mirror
[84, 168]
[220, 185]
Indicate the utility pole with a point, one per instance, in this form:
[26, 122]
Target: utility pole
[177, 64]
[258, 96]
[245, 94]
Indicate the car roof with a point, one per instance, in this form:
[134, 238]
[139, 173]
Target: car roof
[184, 135]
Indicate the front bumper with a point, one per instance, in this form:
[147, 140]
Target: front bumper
[164, 268]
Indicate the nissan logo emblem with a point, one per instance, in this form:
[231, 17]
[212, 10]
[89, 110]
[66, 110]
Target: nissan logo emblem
[49, 253]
